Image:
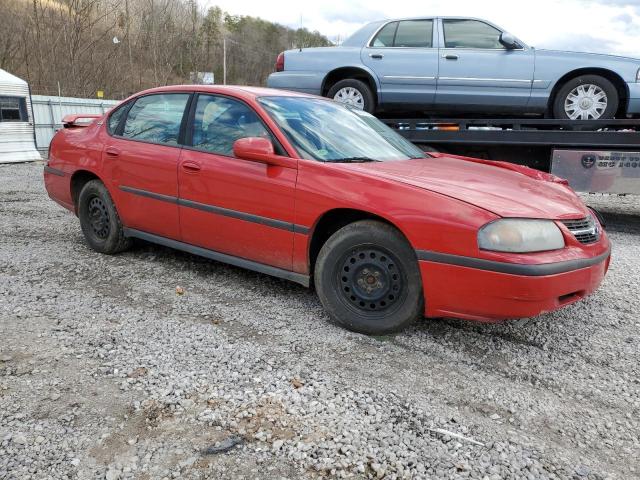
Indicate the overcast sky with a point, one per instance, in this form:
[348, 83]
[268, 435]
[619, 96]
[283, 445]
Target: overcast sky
[604, 26]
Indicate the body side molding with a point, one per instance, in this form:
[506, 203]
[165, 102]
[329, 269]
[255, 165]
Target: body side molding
[54, 171]
[248, 217]
[536, 270]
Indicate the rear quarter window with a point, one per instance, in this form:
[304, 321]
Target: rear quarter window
[385, 36]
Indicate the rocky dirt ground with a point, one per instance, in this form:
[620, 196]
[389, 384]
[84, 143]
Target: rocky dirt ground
[106, 372]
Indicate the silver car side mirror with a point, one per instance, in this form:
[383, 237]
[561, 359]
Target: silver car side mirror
[509, 41]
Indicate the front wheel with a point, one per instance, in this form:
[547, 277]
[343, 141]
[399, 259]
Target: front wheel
[354, 93]
[589, 97]
[368, 280]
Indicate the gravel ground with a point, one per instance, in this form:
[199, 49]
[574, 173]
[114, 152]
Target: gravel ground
[107, 372]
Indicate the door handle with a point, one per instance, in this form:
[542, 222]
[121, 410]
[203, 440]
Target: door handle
[376, 55]
[191, 167]
[112, 152]
[450, 57]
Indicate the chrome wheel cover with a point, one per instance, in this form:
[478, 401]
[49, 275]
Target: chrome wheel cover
[350, 96]
[586, 102]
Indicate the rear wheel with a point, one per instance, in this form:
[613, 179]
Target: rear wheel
[99, 219]
[368, 280]
[588, 97]
[354, 93]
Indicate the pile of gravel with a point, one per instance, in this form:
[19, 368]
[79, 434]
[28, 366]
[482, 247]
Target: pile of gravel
[107, 372]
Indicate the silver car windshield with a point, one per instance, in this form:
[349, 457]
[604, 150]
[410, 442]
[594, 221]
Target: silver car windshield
[330, 132]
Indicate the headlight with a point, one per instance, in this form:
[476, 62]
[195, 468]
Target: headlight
[520, 236]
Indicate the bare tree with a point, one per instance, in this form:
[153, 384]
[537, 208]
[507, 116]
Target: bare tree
[122, 46]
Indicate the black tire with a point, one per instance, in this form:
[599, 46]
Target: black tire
[613, 100]
[99, 219]
[368, 280]
[364, 90]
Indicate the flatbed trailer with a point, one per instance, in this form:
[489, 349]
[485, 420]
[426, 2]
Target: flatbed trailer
[594, 155]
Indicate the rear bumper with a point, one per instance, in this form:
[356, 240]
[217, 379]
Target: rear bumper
[633, 104]
[476, 293]
[298, 81]
[57, 184]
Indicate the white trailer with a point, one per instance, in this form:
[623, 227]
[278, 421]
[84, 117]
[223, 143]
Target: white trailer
[17, 135]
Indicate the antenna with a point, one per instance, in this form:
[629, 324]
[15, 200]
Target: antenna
[300, 44]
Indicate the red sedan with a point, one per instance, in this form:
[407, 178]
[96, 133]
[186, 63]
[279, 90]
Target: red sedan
[313, 191]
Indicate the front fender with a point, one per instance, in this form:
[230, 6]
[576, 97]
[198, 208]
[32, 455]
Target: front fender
[551, 66]
[429, 220]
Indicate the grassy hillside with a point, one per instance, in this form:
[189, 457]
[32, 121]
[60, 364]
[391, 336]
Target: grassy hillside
[122, 46]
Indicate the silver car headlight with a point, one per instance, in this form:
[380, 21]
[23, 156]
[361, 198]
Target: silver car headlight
[520, 236]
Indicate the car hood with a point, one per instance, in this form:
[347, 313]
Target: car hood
[504, 189]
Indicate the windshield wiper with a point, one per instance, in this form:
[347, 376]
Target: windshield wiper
[351, 160]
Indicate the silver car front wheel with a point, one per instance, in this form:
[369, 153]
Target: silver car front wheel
[350, 96]
[586, 102]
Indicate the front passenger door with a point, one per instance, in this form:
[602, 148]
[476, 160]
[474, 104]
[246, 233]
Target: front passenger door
[477, 73]
[229, 205]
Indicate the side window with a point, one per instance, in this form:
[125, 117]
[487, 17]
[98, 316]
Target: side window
[384, 38]
[470, 34]
[114, 118]
[13, 109]
[156, 118]
[414, 33]
[220, 121]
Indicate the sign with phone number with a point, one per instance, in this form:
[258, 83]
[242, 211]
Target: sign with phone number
[618, 162]
[598, 171]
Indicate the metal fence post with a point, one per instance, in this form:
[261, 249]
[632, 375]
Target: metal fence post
[53, 120]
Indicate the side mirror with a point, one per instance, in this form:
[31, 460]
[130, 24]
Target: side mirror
[260, 149]
[509, 41]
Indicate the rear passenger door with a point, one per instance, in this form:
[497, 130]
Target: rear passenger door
[141, 159]
[403, 57]
[229, 205]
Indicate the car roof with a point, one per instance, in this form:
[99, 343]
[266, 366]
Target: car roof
[430, 17]
[240, 91]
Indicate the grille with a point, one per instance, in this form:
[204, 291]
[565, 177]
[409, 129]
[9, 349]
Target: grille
[585, 229]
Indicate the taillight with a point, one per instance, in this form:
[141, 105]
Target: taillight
[280, 62]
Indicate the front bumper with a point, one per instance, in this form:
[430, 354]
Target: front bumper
[633, 104]
[478, 293]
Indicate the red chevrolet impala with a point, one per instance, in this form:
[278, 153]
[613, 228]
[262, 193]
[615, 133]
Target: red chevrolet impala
[313, 191]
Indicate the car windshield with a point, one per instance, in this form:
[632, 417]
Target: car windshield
[327, 131]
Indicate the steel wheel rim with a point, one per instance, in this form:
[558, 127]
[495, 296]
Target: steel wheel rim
[586, 102]
[370, 280]
[350, 96]
[99, 218]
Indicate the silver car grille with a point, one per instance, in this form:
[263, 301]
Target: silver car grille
[585, 229]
